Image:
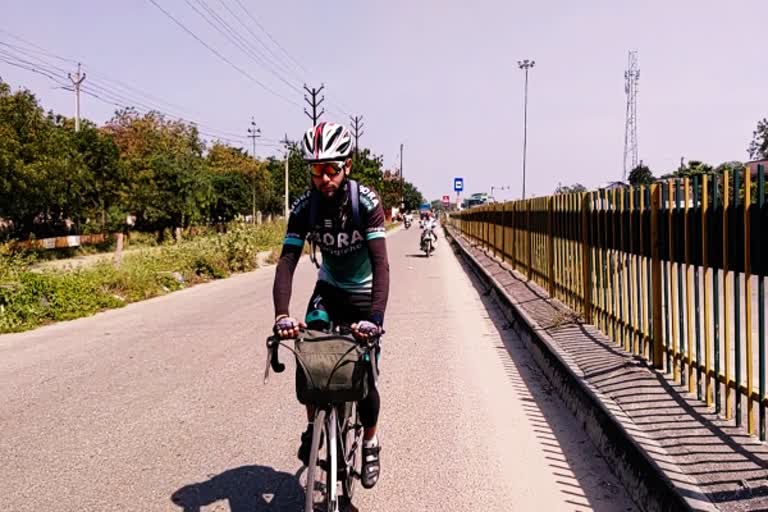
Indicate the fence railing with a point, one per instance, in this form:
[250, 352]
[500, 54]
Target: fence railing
[672, 271]
[61, 242]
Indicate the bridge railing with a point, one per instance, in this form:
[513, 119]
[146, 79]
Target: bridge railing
[674, 272]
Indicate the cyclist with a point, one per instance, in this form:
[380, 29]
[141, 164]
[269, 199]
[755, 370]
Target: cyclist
[353, 280]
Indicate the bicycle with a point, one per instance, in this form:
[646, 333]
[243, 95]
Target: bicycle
[339, 424]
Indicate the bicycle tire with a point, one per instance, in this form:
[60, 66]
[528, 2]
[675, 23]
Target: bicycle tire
[353, 441]
[313, 468]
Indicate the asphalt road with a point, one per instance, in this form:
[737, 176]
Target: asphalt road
[160, 406]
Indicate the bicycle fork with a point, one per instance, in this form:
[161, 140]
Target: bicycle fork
[333, 494]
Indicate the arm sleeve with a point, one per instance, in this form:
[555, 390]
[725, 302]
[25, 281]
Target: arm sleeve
[380, 265]
[293, 244]
[377, 249]
[281, 290]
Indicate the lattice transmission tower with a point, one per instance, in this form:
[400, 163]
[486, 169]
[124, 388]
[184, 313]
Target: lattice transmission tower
[631, 83]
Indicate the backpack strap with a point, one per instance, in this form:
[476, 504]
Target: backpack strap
[314, 207]
[354, 195]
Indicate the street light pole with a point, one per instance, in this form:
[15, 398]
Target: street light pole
[402, 180]
[525, 65]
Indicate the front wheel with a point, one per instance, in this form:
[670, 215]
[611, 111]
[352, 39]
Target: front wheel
[352, 435]
[316, 493]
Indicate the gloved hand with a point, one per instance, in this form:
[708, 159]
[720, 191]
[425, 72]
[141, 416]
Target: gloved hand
[364, 330]
[287, 327]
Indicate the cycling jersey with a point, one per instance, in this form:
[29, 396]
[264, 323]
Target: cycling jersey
[354, 256]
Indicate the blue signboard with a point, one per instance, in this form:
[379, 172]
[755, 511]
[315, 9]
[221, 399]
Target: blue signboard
[458, 184]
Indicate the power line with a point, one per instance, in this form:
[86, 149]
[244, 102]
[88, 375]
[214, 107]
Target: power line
[36, 67]
[39, 49]
[102, 93]
[30, 54]
[341, 109]
[34, 70]
[116, 84]
[273, 58]
[226, 30]
[248, 13]
[220, 56]
[118, 100]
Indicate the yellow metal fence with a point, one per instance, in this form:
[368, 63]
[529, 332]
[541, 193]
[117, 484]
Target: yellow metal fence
[672, 272]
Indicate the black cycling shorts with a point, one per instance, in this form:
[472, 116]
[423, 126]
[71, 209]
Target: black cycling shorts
[331, 305]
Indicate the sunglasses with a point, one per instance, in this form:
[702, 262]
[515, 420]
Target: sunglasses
[328, 168]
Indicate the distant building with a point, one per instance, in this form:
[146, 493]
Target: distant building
[475, 200]
[752, 166]
[614, 184]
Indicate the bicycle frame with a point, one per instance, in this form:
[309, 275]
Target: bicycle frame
[328, 420]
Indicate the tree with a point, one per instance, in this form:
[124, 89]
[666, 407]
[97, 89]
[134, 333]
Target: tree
[298, 177]
[693, 168]
[367, 168]
[41, 171]
[641, 175]
[413, 198]
[169, 185]
[105, 191]
[729, 166]
[758, 148]
[570, 189]
[241, 184]
[393, 192]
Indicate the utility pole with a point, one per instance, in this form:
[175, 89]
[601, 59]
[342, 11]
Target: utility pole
[76, 85]
[357, 128]
[287, 154]
[402, 180]
[314, 103]
[253, 133]
[525, 65]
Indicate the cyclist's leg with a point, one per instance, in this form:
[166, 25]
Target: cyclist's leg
[369, 409]
[359, 306]
[349, 307]
[331, 304]
[316, 318]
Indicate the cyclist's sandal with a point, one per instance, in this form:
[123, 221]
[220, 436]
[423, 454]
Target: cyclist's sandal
[370, 466]
[306, 446]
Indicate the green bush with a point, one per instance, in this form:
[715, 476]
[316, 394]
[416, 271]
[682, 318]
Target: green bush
[30, 299]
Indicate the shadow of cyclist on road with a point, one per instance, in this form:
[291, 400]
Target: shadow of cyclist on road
[247, 488]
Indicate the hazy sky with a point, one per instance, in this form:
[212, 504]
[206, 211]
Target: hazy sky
[438, 76]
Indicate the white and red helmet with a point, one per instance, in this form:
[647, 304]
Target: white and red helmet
[327, 142]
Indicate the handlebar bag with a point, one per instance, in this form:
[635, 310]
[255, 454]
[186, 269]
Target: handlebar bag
[330, 369]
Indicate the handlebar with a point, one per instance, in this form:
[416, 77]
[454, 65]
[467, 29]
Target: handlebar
[273, 357]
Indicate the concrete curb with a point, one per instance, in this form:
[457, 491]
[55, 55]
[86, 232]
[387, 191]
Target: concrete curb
[645, 480]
